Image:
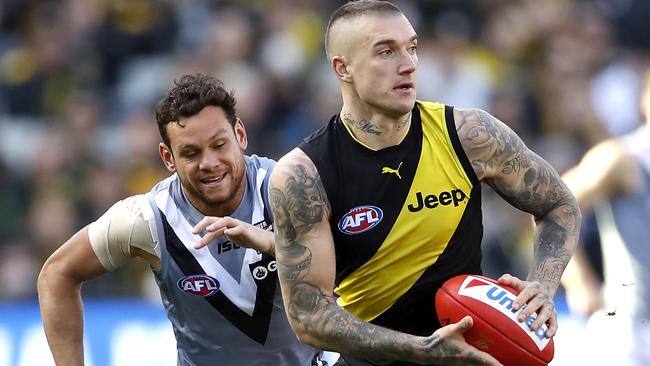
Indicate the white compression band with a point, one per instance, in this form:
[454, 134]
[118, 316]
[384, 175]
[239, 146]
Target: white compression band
[123, 226]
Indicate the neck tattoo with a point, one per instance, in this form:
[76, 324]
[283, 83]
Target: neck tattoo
[363, 125]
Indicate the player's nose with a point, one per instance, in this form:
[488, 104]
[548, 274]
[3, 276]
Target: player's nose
[408, 63]
[209, 160]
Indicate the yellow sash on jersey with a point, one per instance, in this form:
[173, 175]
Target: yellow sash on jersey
[418, 238]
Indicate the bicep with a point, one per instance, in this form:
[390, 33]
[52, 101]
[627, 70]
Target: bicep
[75, 260]
[502, 160]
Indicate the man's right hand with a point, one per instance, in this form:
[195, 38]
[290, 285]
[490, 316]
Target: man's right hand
[448, 346]
[239, 232]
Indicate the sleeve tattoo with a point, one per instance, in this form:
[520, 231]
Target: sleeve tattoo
[527, 182]
[300, 204]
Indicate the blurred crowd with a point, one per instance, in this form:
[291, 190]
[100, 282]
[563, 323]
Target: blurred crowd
[79, 80]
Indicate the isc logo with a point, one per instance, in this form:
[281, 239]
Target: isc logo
[199, 285]
[360, 219]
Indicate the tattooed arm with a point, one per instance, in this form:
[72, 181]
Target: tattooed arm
[526, 181]
[307, 264]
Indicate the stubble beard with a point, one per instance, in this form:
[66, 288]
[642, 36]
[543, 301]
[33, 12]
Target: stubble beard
[225, 195]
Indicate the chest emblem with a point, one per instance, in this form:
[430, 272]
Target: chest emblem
[360, 219]
[199, 285]
[389, 170]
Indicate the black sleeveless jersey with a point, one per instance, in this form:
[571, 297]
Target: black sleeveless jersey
[404, 218]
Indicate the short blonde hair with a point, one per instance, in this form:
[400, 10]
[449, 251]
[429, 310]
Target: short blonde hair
[358, 8]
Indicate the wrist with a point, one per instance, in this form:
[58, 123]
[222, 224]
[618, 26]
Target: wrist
[550, 286]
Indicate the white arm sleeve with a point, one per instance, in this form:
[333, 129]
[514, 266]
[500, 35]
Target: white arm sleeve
[128, 223]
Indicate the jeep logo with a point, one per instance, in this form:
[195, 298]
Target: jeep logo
[445, 198]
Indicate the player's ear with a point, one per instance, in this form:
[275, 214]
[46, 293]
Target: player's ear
[340, 66]
[167, 157]
[240, 134]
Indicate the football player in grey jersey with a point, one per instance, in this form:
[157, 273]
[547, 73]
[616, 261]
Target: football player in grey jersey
[612, 181]
[222, 296]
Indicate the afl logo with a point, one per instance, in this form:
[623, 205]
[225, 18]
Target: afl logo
[199, 285]
[360, 219]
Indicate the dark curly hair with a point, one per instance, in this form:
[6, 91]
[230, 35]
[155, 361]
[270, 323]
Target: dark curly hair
[189, 96]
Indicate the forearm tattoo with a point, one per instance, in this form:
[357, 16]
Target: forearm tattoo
[526, 181]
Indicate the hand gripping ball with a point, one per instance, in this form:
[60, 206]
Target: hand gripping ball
[496, 329]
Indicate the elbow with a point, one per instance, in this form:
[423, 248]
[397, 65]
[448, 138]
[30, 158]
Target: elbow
[311, 316]
[566, 209]
[306, 337]
[568, 216]
[310, 339]
[576, 212]
[307, 334]
[53, 277]
[575, 203]
[45, 275]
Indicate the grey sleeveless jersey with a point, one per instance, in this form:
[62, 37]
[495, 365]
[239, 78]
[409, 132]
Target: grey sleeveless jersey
[223, 300]
[624, 224]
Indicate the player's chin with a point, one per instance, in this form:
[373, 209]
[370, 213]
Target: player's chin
[406, 109]
[213, 195]
[406, 103]
[401, 107]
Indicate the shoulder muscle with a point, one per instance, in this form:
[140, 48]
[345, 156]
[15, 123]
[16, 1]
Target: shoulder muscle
[121, 229]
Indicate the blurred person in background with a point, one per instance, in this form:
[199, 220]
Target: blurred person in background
[415, 169]
[613, 180]
[223, 299]
[18, 268]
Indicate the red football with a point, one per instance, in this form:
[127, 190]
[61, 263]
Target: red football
[496, 329]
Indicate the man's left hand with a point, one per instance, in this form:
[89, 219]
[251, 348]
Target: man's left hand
[534, 297]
